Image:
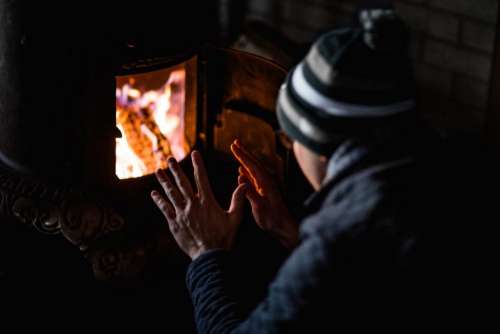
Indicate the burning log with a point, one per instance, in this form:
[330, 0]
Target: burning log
[151, 123]
[144, 138]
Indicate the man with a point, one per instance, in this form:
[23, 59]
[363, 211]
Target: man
[361, 255]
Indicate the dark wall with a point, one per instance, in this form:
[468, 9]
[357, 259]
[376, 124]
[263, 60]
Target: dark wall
[452, 48]
[56, 72]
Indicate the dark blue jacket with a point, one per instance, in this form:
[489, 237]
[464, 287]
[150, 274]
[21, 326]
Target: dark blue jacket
[366, 256]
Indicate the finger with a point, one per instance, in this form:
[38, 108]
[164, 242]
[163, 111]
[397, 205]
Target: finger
[251, 165]
[238, 201]
[164, 206]
[243, 179]
[253, 197]
[181, 179]
[181, 234]
[258, 211]
[246, 177]
[244, 172]
[200, 176]
[237, 144]
[171, 190]
[250, 168]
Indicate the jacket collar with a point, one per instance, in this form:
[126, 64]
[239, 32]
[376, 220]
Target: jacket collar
[341, 164]
[352, 157]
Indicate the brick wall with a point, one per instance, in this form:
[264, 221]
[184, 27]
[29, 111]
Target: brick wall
[452, 47]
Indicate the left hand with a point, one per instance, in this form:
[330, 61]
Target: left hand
[195, 219]
[268, 206]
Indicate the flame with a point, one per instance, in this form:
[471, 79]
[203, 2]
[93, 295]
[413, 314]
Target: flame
[152, 126]
[127, 163]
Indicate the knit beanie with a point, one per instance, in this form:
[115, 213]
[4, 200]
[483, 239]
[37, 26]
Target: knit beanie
[353, 80]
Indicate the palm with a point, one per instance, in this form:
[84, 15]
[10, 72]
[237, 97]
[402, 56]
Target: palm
[196, 220]
[268, 208]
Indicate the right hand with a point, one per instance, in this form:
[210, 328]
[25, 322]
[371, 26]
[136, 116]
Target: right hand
[268, 207]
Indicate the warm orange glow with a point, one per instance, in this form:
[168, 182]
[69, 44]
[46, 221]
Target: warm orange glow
[151, 121]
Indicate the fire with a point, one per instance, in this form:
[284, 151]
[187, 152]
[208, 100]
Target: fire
[151, 122]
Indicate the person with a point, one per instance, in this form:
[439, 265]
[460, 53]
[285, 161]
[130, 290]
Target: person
[369, 251]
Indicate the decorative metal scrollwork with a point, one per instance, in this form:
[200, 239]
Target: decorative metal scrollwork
[49, 219]
[43, 216]
[81, 221]
[114, 253]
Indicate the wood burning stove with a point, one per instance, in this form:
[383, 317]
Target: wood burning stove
[71, 193]
[154, 108]
[74, 202]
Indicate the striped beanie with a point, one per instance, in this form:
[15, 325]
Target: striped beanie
[353, 80]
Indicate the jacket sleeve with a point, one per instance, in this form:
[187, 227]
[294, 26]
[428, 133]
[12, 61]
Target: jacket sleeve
[293, 293]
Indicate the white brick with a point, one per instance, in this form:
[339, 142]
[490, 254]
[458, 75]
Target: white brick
[481, 36]
[308, 15]
[461, 61]
[297, 34]
[443, 26]
[347, 6]
[263, 7]
[481, 9]
[471, 91]
[416, 17]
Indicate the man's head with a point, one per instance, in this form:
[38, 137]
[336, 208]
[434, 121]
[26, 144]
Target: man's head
[355, 83]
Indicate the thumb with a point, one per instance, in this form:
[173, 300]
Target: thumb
[256, 202]
[238, 201]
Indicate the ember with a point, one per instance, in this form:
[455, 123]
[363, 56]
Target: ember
[150, 117]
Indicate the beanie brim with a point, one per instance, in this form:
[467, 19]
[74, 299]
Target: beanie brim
[345, 88]
[292, 120]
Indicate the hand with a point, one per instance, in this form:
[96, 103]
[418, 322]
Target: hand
[196, 220]
[268, 208]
